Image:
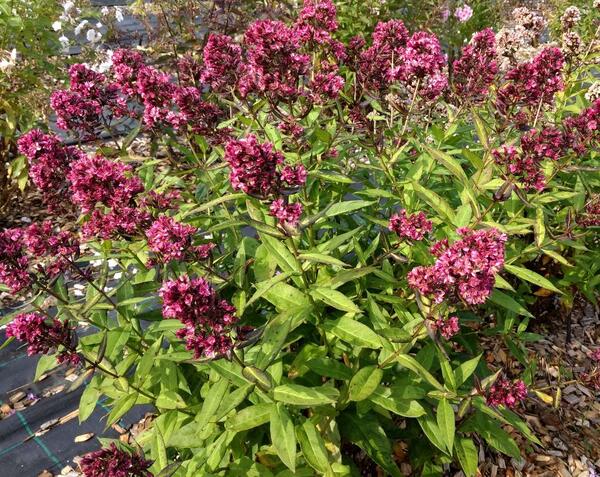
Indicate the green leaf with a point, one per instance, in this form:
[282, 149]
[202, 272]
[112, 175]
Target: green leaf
[347, 207]
[432, 431]
[411, 363]
[120, 407]
[259, 377]
[436, 202]
[446, 424]
[353, 332]
[264, 287]
[284, 258]
[250, 417]
[161, 451]
[330, 368]
[532, 277]
[283, 436]
[321, 258]
[388, 399]
[364, 383]
[286, 297]
[170, 400]
[273, 339]
[466, 369]
[213, 400]
[467, 456]
[46, 363]
[449, 163]
[509, 303]
[298, 395]
[213, 203]
[88, 401]
[313, 447]
[335, 299]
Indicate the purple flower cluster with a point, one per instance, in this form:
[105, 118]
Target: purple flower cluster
[533, 83]
[202, 117]
[156, 89]
[526, 164]
[254, 170]
[476, 69]
[49, 162]
[396, 57]
[465, 269]
[222, 62]
[44, 336]
[582, 132]
[274, 64]
[506, 393]
[14, 263]
[114, 462]
[208, 319]
[54, 249]
[448, 327]
[411, 227]
[172, 240]
[316, 21]
[126, 65]
[89, 104]
[97, 180]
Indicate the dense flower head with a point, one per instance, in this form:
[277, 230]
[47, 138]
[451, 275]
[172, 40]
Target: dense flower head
[287, 214]
[293, 176]
[189, 71]
[465, 268]
[14, 262]
[423, 56]
[49, 161]
[222, 62]
[172, 240]
[125, 67]
[412, 227]
[114, 462]
[120, 221]
[326, 83]
[56, 249]
[253, 166]
[316, 21]
[532, 83]
[90, 103]
[387, 50]
[208, 319]
[199, 116]
[156, 90]
[43, 335]
[475, 70]
[582, 131]
[95, 179]
[570, 17]
[161, 200]
[448, 327]
[274, 64]
[506, 393]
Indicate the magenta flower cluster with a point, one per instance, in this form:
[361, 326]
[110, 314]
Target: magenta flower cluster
[591, 215]
[36, 248]
[476, 69]
[532, 84]
[208, 319]
[43, 336]
[397, 57]
[172, 240]
[447, 327]
[465, 269]
[49, 161]
[254, 170]
[506, 393]
[114, 462]
[411, 227]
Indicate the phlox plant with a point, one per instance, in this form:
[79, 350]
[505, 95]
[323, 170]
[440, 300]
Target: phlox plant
[320, 242]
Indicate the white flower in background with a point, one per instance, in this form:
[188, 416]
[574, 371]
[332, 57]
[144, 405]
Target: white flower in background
[7, 63]
[463, 13]
[99, 25]
[80, 27]
[593, 92]
[64, 41]
[105, 64]
[113, 263]
[56, 26]
[119, 14]
[105, 11]
[118, 275]
[93, 36]
[68, 6]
